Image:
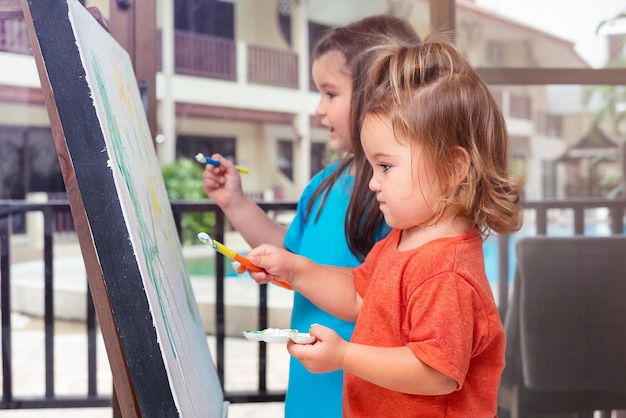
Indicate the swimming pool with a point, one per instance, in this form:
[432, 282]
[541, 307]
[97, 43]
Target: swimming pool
[205, 266]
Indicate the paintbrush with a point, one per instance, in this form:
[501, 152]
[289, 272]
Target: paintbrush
[206, 160]
[233, 255]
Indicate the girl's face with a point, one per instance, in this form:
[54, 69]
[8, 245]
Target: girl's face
[404, 184]
[333, 81]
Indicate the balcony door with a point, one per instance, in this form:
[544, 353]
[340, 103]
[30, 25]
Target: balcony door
[208, 17]
[187, 146]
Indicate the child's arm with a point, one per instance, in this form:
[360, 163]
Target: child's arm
[223, 185]
[330, 288]
[395, 368]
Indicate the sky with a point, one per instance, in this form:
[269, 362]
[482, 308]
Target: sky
[574, 20]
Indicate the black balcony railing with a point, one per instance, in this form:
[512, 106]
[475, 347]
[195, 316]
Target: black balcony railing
[575, 217]
[53, 211]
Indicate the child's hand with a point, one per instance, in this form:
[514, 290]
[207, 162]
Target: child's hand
[222, 184]
[277, 263]
[323, 356]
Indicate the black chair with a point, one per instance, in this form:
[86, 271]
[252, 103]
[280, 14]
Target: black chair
[566, 328]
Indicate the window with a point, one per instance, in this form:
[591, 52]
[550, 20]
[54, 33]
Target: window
[520, 107]
[187, 146]
[318, 157]
[285, 157]
[316, 31]
[210, 17]
[29, 163]
[495, 53]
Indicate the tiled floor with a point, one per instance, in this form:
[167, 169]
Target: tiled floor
[270, 410]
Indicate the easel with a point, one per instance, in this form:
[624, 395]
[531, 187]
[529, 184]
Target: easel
[11, 9]
[153, 333]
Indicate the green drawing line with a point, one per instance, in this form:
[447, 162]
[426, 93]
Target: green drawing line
[148, 244]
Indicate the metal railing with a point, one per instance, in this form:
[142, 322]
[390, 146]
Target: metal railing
[195, 54]
[51, 212]
[272, 67]
[91, 398]
[204, 55]
[574, 214]
[261, 394]
[542, 216]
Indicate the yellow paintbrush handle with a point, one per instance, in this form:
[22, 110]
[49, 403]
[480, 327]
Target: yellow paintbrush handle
[222, 249]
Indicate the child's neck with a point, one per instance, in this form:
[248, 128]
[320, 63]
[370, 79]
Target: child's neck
[445, 228]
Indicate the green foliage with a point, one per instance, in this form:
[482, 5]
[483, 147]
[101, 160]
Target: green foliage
[183, 181]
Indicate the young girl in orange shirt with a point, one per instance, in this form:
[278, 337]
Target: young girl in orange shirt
[428, 341]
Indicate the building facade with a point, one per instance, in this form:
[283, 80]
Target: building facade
[234, 77]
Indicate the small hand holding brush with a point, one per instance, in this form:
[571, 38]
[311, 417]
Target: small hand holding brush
[206, 160]
[233, 255]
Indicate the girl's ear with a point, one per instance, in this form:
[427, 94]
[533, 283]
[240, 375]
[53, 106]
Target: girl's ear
[461, 163]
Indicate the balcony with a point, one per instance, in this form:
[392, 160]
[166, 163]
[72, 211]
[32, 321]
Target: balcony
[208, 56]
[204, 56]
[197, 55]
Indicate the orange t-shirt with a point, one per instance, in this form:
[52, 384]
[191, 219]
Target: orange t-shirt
[436, 300]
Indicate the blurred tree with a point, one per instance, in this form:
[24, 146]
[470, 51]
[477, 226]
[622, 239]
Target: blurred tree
[183, 181]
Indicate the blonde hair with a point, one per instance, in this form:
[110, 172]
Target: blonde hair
[432, 95]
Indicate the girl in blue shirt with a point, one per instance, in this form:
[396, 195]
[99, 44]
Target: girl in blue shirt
[323, 229]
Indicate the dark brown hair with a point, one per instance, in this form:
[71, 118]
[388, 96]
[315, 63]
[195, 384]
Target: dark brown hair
[363, 219]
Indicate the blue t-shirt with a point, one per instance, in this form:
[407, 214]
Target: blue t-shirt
[323, 241]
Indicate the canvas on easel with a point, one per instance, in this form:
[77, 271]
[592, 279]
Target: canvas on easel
[156, 344]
